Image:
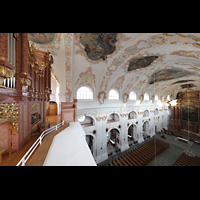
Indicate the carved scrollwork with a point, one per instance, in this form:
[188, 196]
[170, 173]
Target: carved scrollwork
[9, 113]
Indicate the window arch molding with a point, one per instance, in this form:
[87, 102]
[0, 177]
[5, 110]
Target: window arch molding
[113, 94]
[85, 93]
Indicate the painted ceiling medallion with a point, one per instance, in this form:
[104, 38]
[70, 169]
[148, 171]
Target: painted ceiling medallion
[168, 74]
[141, 62]
[42, 38]
[98, 45]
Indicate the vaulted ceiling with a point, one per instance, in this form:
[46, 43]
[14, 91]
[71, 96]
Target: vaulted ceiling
[159, 63]
[178, 60]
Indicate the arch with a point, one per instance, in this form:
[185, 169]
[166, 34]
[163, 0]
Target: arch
[91, 117]
[145, 128]
[113, 113]
[146, 113]
[134, 133]
[113, 94]
[84, 93]
[113, 141]
[114, 128]
[156, 111]
[7, 134]
[11, 124]
[132, 115]
[94, 143]
[52, 109]
[93, 122]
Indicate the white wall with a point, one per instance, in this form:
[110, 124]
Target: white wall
[55, 86]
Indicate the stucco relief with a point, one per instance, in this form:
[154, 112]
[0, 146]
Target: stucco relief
[132, 50]
[125, 97]
[101, 97]
[68, 62]
[118, 83]
[192, 54]
[87, 77]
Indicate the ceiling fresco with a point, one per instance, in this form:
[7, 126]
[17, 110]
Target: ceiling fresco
[168, 74]
[98, 45]
[188, 85]
[42, 38]
[164, 63]
[141, 62]
[182, 81]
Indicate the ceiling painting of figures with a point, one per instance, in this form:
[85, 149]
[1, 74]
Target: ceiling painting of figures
[42, 38]
[141, 62]
[168, 74]
[98, 45]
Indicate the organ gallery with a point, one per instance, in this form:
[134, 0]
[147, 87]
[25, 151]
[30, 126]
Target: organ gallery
[99, 99]
[25, 88]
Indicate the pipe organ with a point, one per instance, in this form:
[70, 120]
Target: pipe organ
[185, 115]
[25, 83]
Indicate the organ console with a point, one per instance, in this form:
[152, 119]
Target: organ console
[25, 87]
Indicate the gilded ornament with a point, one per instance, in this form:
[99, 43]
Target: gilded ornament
[9, 113]
[32, 107]
[15, 35]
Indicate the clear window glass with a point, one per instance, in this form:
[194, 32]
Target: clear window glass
[113, 94]
[84, 93]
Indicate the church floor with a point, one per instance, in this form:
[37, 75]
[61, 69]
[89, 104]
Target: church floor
[166, 158]
[16, 156]
[171, 154]
[54, 119]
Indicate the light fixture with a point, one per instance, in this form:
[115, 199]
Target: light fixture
[159, 103]
[137, 102]
[173, 102]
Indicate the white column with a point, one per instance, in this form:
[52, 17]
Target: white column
[101, 143]
[124, 134]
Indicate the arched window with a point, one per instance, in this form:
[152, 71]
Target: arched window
[146, 96]
[132, 96]
[156, 97]
[163, 98]
[168, 97]
[113, 94]
[84, 93]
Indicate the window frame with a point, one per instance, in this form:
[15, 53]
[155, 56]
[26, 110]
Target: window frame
[148, 97]
[155, 97]
[109, 95]
[85, 99]
[135, 96]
